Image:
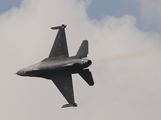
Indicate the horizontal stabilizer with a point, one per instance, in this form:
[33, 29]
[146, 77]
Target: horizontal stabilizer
[87, 76]
[58, 27]
[70, 105]
[83, 50]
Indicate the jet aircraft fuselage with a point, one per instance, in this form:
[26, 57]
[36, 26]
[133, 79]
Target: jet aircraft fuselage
[56, 67]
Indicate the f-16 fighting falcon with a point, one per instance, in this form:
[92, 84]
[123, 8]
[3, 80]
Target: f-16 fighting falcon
[59, 67]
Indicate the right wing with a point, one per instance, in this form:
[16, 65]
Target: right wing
[59, 47]
[65, 86]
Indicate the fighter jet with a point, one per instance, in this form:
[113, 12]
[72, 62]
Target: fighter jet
[59, 67]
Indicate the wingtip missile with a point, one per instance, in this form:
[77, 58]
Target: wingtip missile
[58, 27]
[70, 105]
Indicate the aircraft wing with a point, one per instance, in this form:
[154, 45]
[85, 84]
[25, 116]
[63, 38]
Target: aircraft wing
[65, 86]
[59, 47]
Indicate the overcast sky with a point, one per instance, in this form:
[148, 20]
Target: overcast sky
[124, 45]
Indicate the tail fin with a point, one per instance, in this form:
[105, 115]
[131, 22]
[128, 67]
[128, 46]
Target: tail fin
[83, 50]
[87, 76]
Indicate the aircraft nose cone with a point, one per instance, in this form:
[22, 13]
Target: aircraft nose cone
[21, 72]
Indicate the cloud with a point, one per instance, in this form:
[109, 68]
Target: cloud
[150, 11]
[126, 64]
[151, 8]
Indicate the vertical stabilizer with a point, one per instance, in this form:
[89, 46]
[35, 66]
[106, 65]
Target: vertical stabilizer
[83, 50]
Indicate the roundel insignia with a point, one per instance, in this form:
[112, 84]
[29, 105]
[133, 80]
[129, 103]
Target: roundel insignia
[65, 88]
[59, 45]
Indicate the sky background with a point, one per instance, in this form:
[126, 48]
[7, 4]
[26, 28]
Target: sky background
[124, 45]
[97, 9]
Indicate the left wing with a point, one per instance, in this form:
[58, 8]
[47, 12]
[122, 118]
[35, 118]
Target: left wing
[59, 47]
[65, 86]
